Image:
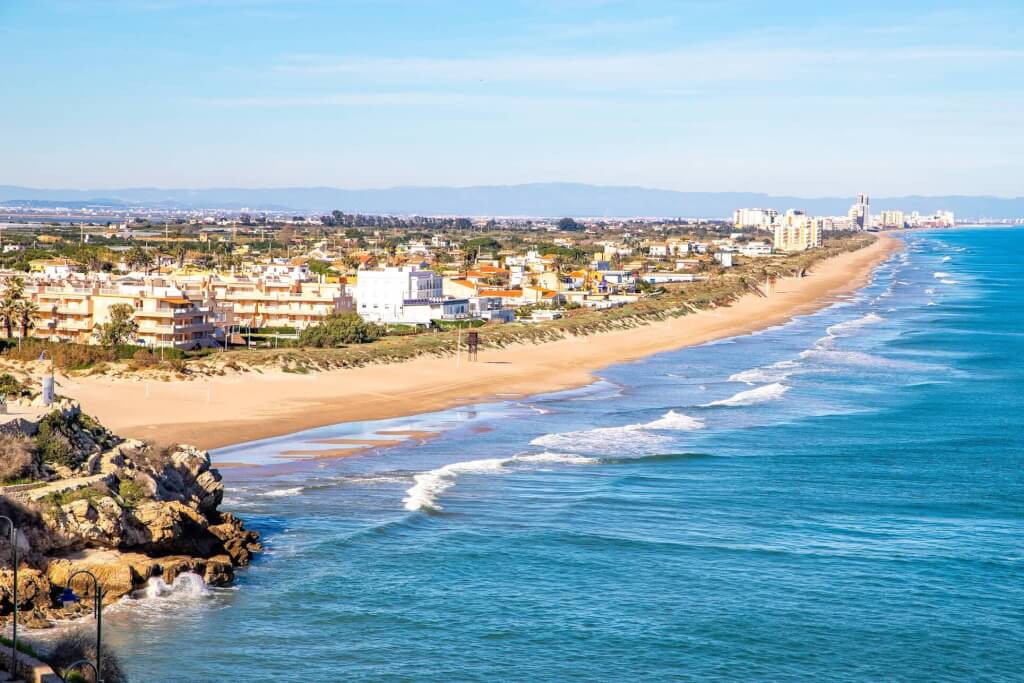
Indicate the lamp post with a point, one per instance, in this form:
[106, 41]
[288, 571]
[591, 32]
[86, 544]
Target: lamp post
[81, 662]
[14, 590]
[69, 596]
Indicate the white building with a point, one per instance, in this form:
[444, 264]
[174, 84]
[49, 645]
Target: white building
[860, 213]
[755, 249]
[891, 219]
[754, 218]
[405, 295]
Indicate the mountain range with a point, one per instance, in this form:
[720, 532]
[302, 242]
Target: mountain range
[536, 199]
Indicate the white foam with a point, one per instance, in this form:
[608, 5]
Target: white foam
[294, 491]
[674, 420]
[768, 392]
[938, 275]
[868, 319]
[428, 486]
[948, 281]
[768, 373]
[947, 258]
[631, 438]
[186, 585]
[861, 359]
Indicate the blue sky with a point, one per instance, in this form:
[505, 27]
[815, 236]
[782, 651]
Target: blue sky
[804, 98]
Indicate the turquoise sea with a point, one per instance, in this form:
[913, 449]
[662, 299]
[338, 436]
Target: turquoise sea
[837, 498]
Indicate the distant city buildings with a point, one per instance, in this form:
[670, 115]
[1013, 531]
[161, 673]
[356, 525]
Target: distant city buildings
[796, 231]
[860, 213]
[754, 218]
[891, 219]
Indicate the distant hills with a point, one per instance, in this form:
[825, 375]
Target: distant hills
[536, 199]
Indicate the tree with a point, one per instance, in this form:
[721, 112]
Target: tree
[121, 329]
[319, 267]
[180, 254]
[138, 258]
[27, 312]
[340, 329]
[569, 225]
[11, 303]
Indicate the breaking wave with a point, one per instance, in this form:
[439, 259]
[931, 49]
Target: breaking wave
[294, 491]
[868, 319]
[775, 372]
[428, 486]
[768, 392]
[634, 438]
[185, 585]
[674, 420]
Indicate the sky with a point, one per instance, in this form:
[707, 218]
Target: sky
[796, 98]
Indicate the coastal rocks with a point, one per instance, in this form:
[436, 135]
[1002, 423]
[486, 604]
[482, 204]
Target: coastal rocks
[118, 573]
[123, 510]
[33, 588]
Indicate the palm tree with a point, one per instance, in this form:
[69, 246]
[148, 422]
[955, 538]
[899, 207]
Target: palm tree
[14, 294]
[8, 314]
[26, 314]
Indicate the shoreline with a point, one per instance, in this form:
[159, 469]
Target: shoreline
[222, 411]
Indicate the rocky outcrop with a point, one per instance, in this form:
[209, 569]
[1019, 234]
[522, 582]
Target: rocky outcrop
[122, 509]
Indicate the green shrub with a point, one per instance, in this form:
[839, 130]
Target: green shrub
[11, 387]
[53, 441]
[131, 492]
[90, 493]
[340, 329]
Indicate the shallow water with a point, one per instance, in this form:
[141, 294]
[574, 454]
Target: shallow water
[840, 497]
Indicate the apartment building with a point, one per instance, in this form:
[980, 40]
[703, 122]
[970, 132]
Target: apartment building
[754, 218]
[796, 231]
[273, 301]
[70, 310]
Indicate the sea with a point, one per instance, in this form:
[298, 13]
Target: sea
[837, 498]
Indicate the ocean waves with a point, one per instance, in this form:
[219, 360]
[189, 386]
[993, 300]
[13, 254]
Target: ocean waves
[428, 486]
[749, 397]
[636, 439]
[633, 438]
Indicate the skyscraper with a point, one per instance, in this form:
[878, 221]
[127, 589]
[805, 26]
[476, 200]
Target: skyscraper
[860, 212]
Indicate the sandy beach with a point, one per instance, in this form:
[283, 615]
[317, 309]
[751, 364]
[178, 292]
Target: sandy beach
[221, 411]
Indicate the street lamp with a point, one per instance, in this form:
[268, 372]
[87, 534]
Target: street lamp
[69, 596]
[81, 662]
[14, 590]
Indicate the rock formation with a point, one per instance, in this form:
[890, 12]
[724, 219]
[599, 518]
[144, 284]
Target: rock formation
[123, 509]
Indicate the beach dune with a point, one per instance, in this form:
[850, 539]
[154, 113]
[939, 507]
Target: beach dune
[221, 411]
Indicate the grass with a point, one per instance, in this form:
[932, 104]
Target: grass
[22, 646]
[21, 480]
[131, 493]
[89, 493]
